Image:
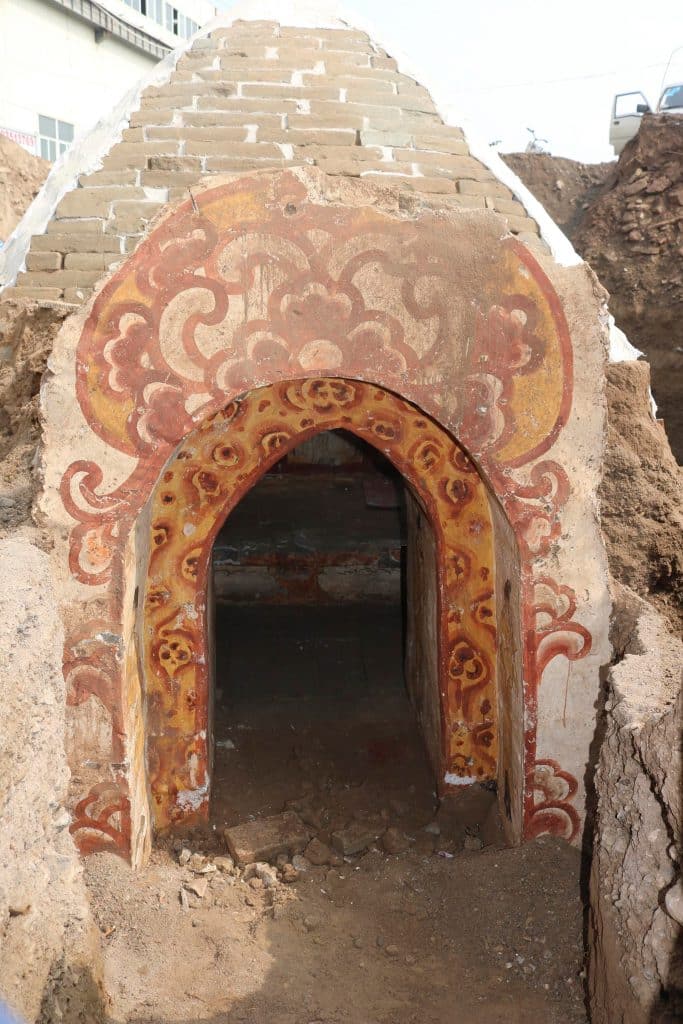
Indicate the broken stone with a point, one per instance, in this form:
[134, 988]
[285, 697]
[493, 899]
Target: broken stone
[196, 863]
[184, 900]
[198, 886]
[184, 856]
[263, 840]
[267, 874]
[392, 950]
[356, 838]
[394, 841]
[317, 852]
[255, 883]
[289, 873]
[225, 864]
[301, 863]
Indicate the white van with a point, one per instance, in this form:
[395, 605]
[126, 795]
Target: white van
[628, 109]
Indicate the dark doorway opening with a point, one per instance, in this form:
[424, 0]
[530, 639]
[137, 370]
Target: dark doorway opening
[311, 709]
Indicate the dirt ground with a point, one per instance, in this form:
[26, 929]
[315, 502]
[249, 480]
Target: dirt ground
[430, 934]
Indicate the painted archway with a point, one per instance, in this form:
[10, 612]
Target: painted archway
[214, 467]
[278, 277]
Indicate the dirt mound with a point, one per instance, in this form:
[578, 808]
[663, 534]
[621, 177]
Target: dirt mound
[633, 238]
[565, 187]
[640, 496]
[21, 178]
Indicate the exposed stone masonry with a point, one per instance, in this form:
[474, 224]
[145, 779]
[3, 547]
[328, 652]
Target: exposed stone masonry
[252, 96]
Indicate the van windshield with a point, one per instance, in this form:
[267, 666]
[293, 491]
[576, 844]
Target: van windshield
[672, 97]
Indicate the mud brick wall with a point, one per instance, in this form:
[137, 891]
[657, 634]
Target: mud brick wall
[258, 95]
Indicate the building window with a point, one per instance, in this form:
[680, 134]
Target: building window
[54, 136]
[165, 14]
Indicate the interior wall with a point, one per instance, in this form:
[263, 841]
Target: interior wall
[511, 763]
[422, 624]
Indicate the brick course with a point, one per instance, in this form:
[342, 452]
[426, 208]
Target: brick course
[259, 95]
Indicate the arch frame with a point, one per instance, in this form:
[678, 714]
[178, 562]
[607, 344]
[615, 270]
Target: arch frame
[280, 276]
[211, 471]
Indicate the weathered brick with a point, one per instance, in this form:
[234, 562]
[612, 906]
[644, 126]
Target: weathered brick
[100, 179]
[193, 60]
[86, 225]
[344, 117]
[314, 137]
[229, 119]
[169, 179]
[418, 184]
[183, 93]
[132, 216]
[519, 224]
[86, 261]
[230, 164]
[264, 838]
[329, 35]
[386, 138]
[388, 63]
[484, 188]
[369, 93]
[152, 114]
[370, 110]
[355, 167]
[44, 294]
[247, 106]
[43, 261]
[132, 135]
[232, 77]
[83, 241]
[131, 155]
[174, 163]
[511, 206]
[287, 92]
[449, 166]
[59, 278]
[359, 153]
[441, 144]
[84, 202]
[469, 202]
[76, 296]
[255, 150]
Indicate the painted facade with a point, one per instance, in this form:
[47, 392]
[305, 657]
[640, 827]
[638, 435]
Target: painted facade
[270, 307]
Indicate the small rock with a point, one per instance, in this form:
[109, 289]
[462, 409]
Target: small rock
[300, 863]
[263, 839]
[392, 950]
[317, 852]
[184, 900]
[198, 886]
[289, 874]
[394, 841]
[225, 864]
[380, 941]
[433, 828]
[358, 942]
[184, 856]
[356, 838]
[472, 843]
[281, 860]
[311, 923]
[197, 863]
[673, 902]
[267, 874]
[255, 883]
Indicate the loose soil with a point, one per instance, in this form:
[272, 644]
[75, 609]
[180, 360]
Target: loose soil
[21, 178]
[426, 935]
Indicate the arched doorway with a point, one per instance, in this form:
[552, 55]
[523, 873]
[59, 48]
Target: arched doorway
[454, 687]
